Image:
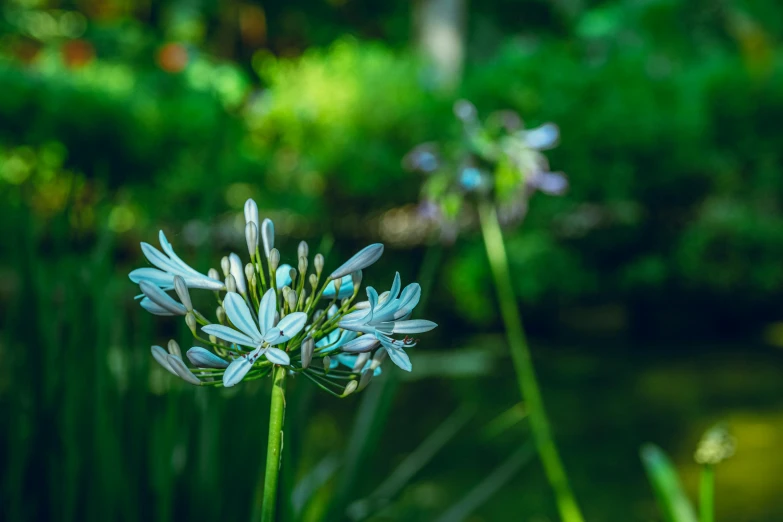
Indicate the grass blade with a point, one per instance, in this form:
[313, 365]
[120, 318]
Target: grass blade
[411, 465]
[490, 485]
[668, 490]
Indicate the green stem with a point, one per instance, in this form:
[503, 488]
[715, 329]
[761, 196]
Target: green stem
[523, 365]
[274, 445]
[707, 493]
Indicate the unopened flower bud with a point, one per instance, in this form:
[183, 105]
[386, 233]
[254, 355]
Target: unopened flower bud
[308, 345]
[183, 371]
[302, 297]
[251, 237]
[220, 312]
[231, 283]
[356, 279]
[327, 364]
[215, 340]
[249, 272]
[337, 284]
[365, 379]
[173, 347]
[350, 388]
[313, 281]
[238, 271]
[303, 250]
[225, 264]
[302, 265]
[213, 274]
[292, 275]
[318, 263]
[361, 360]
[362, 259]
[182, 293]
[268, 236]
[274, 259]
[377, 359]
[190, 320]
[251, 212]
[291, 300]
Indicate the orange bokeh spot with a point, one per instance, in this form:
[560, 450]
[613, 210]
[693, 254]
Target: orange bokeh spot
[77, 53]
[172, 57]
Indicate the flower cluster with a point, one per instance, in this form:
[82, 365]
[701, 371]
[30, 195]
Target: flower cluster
[269, 314]
[497, 159]
[715, 446]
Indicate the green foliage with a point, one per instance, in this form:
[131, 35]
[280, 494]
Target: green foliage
[669, 113]
[665, 483]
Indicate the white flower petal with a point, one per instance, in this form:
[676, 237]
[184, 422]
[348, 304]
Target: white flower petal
[364, 343]
[413, 326]
[399, 357]
[162, 299]
[236, 371]
[266, 311]
[204, 283]
[154, 309]
[291, 325]
[408, 300]
[157, 258]
[239, 314]
[153, 275]
[273, 336]
[229, 334]
[203, 358]
[278, 356]
[175, 260]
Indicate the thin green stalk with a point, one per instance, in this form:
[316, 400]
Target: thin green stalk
[523, 365]
[707, 494]
[274, 446]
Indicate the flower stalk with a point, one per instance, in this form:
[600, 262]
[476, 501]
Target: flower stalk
[523, 365]
[274, 448]
[707, 494]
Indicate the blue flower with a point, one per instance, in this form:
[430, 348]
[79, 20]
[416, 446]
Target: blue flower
[168, 266]
[381, 317]
[349, 360]
[336, 338]
[346, 288]
[542, 138]
[261, 336]
[470, 178]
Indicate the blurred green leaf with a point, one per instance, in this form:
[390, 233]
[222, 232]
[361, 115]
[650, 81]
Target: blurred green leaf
[672, 500]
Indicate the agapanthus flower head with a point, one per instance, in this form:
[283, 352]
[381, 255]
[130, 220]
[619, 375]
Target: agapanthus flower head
[715, 446]
[272, 314]
[498, 158]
